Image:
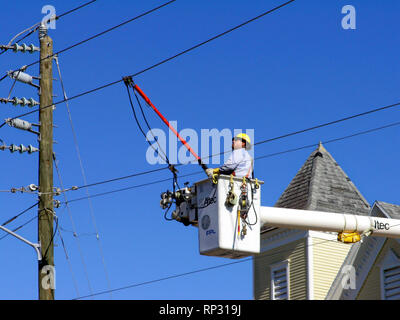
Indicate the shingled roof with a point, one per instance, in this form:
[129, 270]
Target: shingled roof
[321, 185]
[391, 210]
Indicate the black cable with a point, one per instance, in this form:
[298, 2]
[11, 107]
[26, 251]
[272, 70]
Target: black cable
[149, 128]
[104, 32]
[75, 9]
[166, 212]
[131, 187]
[19, 214]
[260, 256]
[122, 178]
[140, 127]
[21, 226]
[57, 17]
[157, 64]
[51, 241]
[198, 172]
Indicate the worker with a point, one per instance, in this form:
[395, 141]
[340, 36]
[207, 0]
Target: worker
[239, 163]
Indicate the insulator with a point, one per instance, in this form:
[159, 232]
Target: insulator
[21, 148]
[21, 76]
[31, 149]
[20, 101]
[16, 101]
[19, 124]
[25, 48]
[42, 30]
[33, 187]
[13, 148]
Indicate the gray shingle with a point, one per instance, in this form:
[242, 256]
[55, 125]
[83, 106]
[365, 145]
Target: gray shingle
[321, 185]
[392, 210]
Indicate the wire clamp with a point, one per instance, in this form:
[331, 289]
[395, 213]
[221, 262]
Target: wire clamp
[128, 81]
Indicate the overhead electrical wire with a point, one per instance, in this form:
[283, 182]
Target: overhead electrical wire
[256, 158]
[77, 240]
[179, 275]
[104, 32]
[33, 29]
[92, 215]
[21, 226]
[20, 214]
[162, 61]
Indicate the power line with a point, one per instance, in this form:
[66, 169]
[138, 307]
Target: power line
[104, 32]
[261, 256]
[83, 175]
[20, 214]
[162, 61]
[21, 226]
[330, 123]
[257, 158]
[74, 227]
[134, 187]
[75, 9]
[33, 29]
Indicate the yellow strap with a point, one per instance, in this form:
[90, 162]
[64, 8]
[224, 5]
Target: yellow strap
[238, 222]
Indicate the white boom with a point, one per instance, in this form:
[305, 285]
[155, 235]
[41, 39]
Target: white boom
[327, 221]
[229, 217]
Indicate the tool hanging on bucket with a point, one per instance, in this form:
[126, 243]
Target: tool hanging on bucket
[129, 82]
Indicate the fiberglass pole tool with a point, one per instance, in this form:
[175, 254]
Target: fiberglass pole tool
[143, 95]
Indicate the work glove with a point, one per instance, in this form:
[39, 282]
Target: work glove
[210, 172]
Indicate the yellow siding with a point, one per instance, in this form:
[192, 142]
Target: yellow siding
[371, 289]
[295, 252]
[328, 257]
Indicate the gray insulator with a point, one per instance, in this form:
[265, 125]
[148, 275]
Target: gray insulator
[21, 148]
[31, 149]
[21, 76]
[19, 124]
[16, 101]
[16, 47]
[23, 102]
[42, 31]
[25, 48]
[13, 148]
[33, 102]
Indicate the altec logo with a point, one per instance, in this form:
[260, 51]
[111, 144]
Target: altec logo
[381, 226]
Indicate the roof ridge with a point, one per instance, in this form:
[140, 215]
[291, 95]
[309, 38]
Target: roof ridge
[349, 181]
[322, 185]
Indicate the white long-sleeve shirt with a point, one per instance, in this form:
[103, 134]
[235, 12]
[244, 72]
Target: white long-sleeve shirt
[238, 162]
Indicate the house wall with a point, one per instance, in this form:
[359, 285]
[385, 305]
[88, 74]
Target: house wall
[328, 256]
[295, 253]
[371, 289]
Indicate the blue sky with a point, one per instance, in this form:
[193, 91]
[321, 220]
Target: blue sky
[290, 70]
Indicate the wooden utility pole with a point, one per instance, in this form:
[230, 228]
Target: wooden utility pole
[46, 213]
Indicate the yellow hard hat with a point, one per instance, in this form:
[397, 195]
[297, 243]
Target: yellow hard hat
[244, 137]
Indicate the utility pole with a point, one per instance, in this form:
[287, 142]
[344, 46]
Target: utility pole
[46, 213]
